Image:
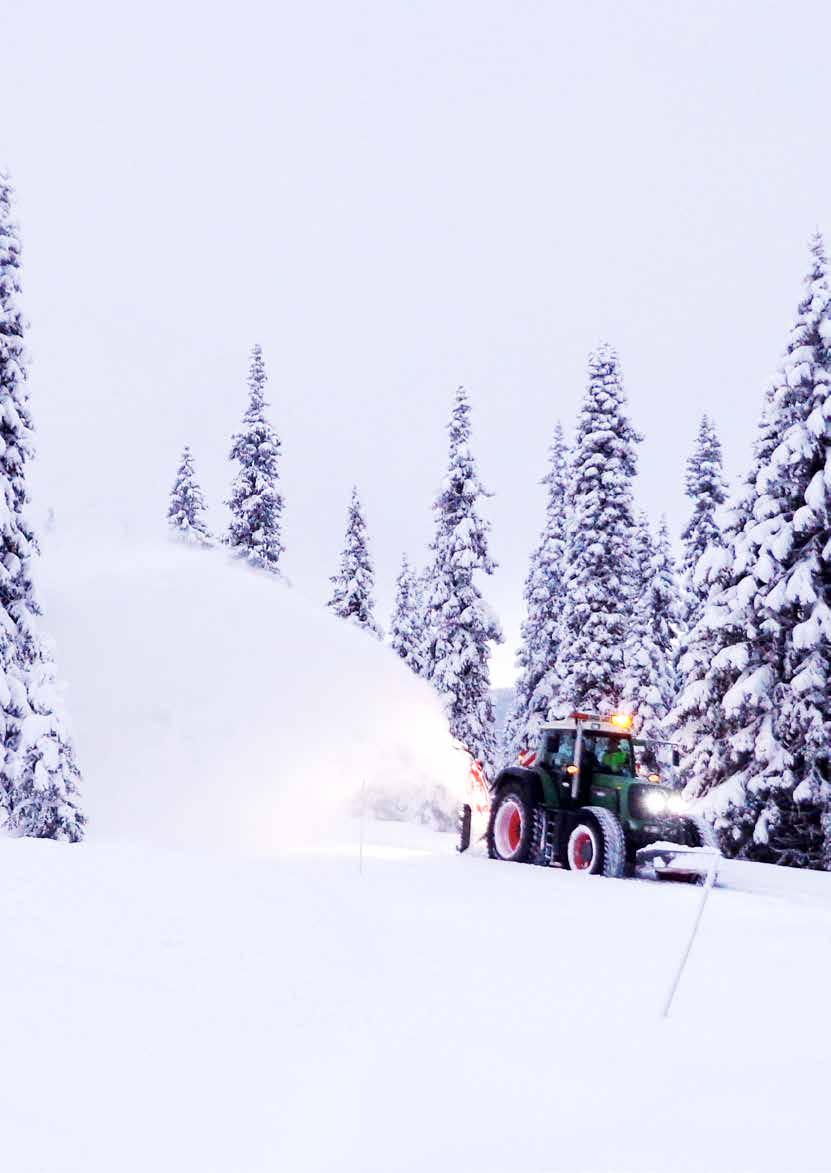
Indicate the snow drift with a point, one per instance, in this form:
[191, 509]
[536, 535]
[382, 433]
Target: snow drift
[212, 706]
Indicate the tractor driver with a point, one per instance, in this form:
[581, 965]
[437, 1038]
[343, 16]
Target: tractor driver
[616, 758]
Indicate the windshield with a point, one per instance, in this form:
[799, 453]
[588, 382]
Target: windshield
[608, 753]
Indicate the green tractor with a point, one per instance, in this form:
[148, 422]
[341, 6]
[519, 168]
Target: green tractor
[583, 802]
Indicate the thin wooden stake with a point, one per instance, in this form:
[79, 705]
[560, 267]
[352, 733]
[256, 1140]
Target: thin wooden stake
[361, 839]
[708, 884]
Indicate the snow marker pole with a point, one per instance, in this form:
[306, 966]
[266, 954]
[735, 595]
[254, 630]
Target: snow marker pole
[361, 838]
[708, 884]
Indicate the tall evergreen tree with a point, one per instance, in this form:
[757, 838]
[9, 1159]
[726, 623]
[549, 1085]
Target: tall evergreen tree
[598, 557]
[649, 688]
[186, 511]
[421, 600]
[406, 635]
[782, 699]
[354, 584]
[537, 687]
[460, 626]
[706, 488]
[666, 610]
[712, 652]
[772, 790]
[255, 532]
[39, 778]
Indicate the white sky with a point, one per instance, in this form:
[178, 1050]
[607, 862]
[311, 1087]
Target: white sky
[393, 198]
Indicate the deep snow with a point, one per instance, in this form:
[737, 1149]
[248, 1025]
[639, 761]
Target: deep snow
[211, 984]
[171, 1011]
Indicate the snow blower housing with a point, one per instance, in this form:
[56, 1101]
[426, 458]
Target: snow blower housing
[583, 803]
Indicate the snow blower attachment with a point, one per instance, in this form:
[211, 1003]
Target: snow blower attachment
[583, 802]
[669, 861]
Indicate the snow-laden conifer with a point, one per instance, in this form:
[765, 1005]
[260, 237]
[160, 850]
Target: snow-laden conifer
[421, 600]
[649, 688]
[186, 511]
[354, 584]
[44, 793]
[706, 488]
[598, 559]
[538, 683]
[39, 779]
[782, 699]
[460, 626]
[771, 673]
[712, 653]
[256, 505]
[406, 634]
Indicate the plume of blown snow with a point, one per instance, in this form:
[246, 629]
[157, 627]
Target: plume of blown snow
[214, 708]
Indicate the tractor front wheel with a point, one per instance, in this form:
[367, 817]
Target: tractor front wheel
[597, 846]
[511, 826]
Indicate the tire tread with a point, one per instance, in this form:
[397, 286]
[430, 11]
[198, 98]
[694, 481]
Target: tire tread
[614, 841]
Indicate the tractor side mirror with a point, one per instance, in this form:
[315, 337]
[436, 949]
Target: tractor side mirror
[676, 757]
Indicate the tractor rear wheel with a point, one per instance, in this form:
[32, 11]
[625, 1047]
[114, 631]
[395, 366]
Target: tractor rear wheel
[512, 825]
[597, 845]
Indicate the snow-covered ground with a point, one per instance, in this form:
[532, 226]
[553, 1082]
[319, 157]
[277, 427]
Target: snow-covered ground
[212, 983]
[175, 1011]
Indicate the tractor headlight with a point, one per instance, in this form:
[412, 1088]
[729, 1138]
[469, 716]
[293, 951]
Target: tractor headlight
[655, 802]
[650, 802]
[676, 804]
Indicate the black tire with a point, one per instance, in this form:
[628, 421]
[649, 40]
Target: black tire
[701, 833]
[465, 822]
[597, 845]
[512, 825]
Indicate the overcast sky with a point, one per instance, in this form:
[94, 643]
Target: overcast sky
[394, 198]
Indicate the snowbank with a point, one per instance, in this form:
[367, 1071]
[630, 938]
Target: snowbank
[212, 706]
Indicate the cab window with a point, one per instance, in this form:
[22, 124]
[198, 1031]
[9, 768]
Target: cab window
[559, 750]
[608, 753]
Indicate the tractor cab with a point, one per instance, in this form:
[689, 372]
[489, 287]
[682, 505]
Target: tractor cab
[584, 753]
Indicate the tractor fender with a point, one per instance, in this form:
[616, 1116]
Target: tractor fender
[530, 779]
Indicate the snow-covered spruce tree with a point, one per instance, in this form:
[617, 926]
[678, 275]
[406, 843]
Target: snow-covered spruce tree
[352, 596]
[255, 532]
[768, 774]
[39, 779]
[649, 688]
[460, 627]
[598, 555]
[186, 512]
[44, 792]
[406, 633]
[706, 488]
[782, 699]
[420, 597]
[713, 652]
[537, 687]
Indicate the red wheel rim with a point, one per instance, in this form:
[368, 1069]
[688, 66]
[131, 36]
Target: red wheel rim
[514, 829]
[582, 851]
[508, 828]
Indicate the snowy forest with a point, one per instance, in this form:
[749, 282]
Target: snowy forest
[415, 511]
[716, 639]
